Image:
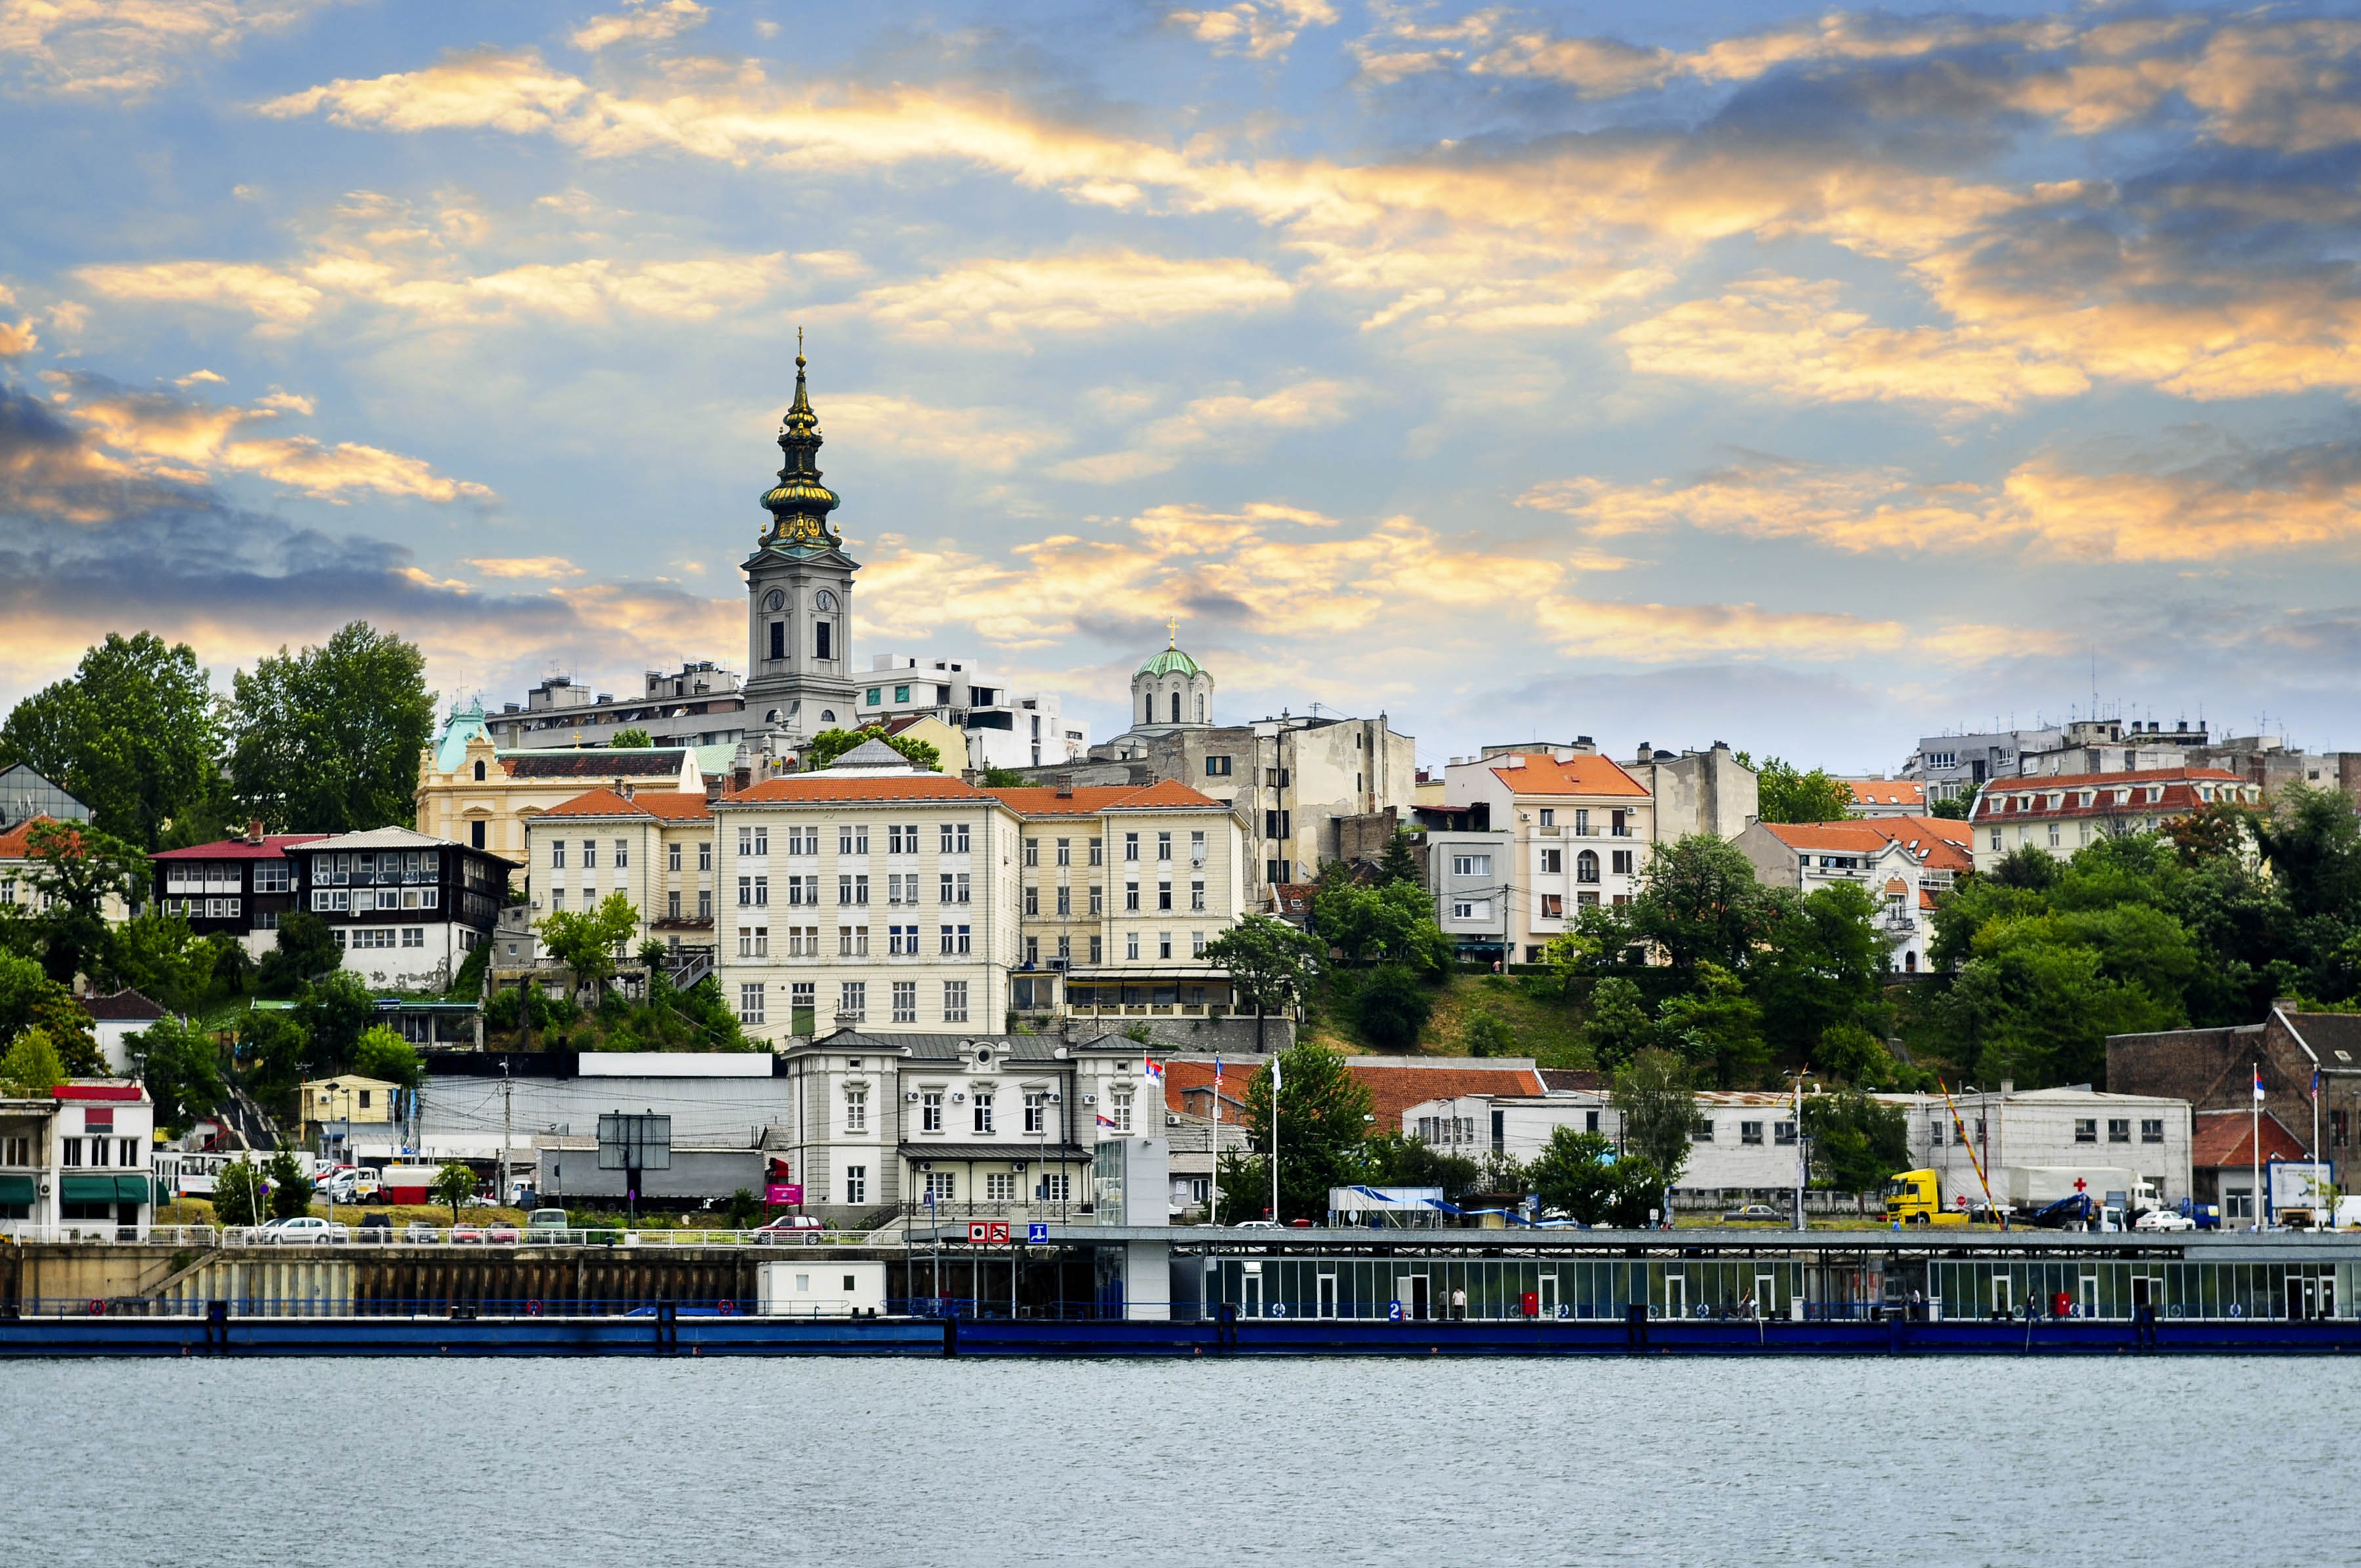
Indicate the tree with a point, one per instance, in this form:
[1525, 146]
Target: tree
[291, 1190]
[133, 733]
[2312, 841]
[306, 949]
[383, 1054]
[1785, 794]
[1004, 778]
[79, 871]
[156, 953]
[2029, 866]
[1268, 961]
[1701, 901]
[1580, 1176]
[181, 1069]
[454, 1184]
[1824, 963]
[1397, 1159]
[1850, 1053]
[1953, 808]
[1858, 1143]
[328, 739]
[31, 1068]
[1619, 1027]
[829, 744]
[332, 1013]
[237, 1193]
[1399, 863]
[1393, 923]
[1651, 1094]
[1393, 1008]
[274, 1045]
[633, 739]
[586, 941]
[29, 999]
[743, 1209]
[1323, 1117]
[1717, 1027]
[1487, 1033]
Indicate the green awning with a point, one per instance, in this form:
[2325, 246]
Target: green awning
[86, 1190]
[15, 1189]
[131, 1189]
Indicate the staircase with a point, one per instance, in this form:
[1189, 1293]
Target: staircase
[685, 967]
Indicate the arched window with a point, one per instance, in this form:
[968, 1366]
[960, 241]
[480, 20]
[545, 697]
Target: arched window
[1910, 963]
[479, 771]
[1175, 708]
[1147, 708]
[1201, 708]
[1585, 866]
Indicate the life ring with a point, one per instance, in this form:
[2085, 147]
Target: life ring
[97, 1307]
[725, 1305]
[533, 1308]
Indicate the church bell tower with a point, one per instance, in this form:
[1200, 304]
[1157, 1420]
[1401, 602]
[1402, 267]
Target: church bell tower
[798, 599]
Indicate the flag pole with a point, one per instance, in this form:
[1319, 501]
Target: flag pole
[1213, 1213]
[2257, 1150]
[1274, 1140]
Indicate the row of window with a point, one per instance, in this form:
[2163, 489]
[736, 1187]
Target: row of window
[853, 890]
[1553, 904]
[1064, 849]
[999, 1186]
[380, 937]
[852, 1000]
[1064, 902]
[1586, 864]
[372, 865]
[1748, 1133]
[853, 838]
[1619, 823]
[361, 900]
[227, 876]
[101, 1153]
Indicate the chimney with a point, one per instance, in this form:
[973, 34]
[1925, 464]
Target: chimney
[2007, 1086]
[627, 789]
[742, 779]
[254, 830]
[1065, 786]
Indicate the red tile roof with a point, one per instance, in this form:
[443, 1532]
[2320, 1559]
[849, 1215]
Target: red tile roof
[272, 847]
[1394, 1090]
[1849, 837]
[819, 789]
[2226, 1138]
[128, 1004]
[17, 844]
[1886, 792]
[671, 806]
[1544, 774]
[2177, 786]
[1084, 800]
[593, 762]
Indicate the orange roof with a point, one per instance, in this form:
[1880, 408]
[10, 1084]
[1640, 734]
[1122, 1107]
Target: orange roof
[1086, 800]
[2174, 786]
[1856, 837]
[1886, 792]
[819, 789]
[17, 844]
[674, 806]
[1544, 774]
[2226, 1138]
[671, 806]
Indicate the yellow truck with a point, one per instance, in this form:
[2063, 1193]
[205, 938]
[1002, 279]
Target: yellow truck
[1915, 1197]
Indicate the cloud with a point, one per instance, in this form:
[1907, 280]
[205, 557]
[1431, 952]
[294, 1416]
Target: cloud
[1257, 28]
[127, 49]
[992, 440]
[18, 340]
[647, 21]
[1232, 424]
[524, 566]
[1073, 293]
[2234, 505]
[191, 443]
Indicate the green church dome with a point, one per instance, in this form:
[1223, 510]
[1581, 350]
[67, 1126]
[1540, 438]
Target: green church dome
[1171, 662]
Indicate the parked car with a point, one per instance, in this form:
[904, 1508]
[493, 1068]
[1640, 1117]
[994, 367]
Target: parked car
[304, 1230]
[1258, 1224]
[375, 1227]
[785, 1227]
[501, 1232]
[2163, 1220]
[420, 1232]
[467, 1233]
[547, 1224]
[1754, 1214]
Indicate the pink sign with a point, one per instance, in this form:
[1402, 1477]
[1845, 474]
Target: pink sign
[777, 1193]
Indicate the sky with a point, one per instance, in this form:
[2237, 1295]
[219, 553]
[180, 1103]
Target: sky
[1802, 377]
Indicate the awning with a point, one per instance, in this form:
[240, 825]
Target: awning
[131, 1189]
[86, 1190]
[17, 1189]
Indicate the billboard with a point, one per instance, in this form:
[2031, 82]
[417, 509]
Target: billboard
[779, 1192]
[2298, 1184]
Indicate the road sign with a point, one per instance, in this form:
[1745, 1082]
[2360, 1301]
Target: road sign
[979, 1231]
[999, 1236]
[634, 1143]
[1037, 1231]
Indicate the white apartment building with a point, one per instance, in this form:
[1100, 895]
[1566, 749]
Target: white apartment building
[1579, 830]
[78, 1160]
[2149, 1134]
[1904, 862]
[2062, 814]
[1467, 872]
[1003, 730]
[868, 894]
[654, 847]
[1122, 887]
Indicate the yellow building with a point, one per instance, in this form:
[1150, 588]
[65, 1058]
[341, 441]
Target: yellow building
[656, 848]
[365, 1101]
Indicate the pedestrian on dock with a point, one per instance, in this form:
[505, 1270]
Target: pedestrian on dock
[1458, 1305]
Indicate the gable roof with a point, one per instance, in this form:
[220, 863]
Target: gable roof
[599, 763]
[1088, 800]
[1542, 774]
[2226, 1138]
[389, 839]
[2177, 792]
[17, 844]
[123, 1004]
[670, 806]
[1394, 1090]
[271, 846]
[1886, 792]
[1844, 838]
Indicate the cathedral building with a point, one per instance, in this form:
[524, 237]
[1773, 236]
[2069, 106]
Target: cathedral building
[798, 600]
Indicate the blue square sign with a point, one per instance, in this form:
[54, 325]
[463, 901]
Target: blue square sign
[1037, 1231]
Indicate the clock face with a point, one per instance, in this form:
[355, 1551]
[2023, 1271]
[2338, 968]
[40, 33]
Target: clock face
[826, 600]
[774, 600]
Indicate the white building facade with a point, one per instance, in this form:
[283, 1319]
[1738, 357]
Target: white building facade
[76, 1162]
[1579, 828]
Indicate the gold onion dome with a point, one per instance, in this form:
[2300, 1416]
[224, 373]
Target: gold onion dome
[799, 503]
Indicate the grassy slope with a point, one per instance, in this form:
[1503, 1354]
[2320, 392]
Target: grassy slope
[1546, 1031]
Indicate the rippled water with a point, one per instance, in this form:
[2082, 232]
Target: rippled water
[610, 1461]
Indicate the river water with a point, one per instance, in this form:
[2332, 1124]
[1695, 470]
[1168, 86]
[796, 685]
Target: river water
[594, 1462]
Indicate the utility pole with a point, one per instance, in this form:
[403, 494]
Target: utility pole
[508, 1126]
[1800, 1154]
[1274, 1140]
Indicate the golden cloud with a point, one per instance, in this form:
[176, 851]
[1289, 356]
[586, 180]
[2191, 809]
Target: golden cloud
[1073, 294]
[992, 440]
[1257, 28]
[128, 48]
[648, 21]
[1232, 423]
[524, 566]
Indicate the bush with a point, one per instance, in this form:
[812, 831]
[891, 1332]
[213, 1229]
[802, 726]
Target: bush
[382, 1053]
[1393, 1008]
[743, 1209]
[238, 1194]
[1487, 1033]
[291, 1190]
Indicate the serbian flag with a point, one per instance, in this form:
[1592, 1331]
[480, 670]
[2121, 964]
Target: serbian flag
[1153, 1071]
[1105, 1120]
[2258, 1083]
[2315, 1083]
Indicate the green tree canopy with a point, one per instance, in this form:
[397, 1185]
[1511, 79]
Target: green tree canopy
[1617, 1027]
[1858, 1144]
[306, 949]
[587, 941]
[1390, 924]
[333, 1013]
[1786, 794]
[291, 1190]
[829, 744]
[31, 1068]
[237, 1193]
[1953, 808]
[382, 1053]
[275, 1047]
[1651, 1094]
[182, 1068]
[454, 1184]
[1397, 1159]
[156, 954]
[1579, 1175]
[634, 740]
[1823, 963]
[134, 734]
[1324, 1120]
[1487, 1033]
[1718, 1029]
[80, 871]
[328, 739]
[1701, 901]
[1392, 1008]
[1269, 962]
[1399, 862]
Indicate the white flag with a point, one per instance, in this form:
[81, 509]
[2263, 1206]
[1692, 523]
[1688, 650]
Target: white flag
[1274, 1077]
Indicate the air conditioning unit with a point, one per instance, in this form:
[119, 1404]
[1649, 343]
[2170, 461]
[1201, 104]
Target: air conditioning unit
[1171, 1120]
[959, 1096]
[1090, 1099]
[912, 1097]
[926, 1165]
[1055, 1097]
